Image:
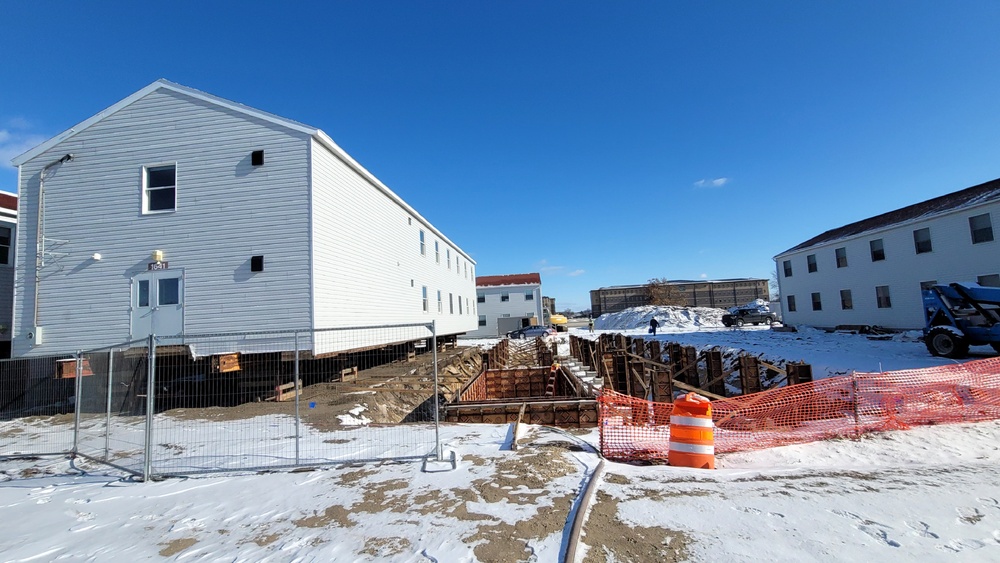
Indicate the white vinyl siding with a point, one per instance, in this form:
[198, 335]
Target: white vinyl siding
[339, 248]
[953, 258]
[365, 261]
[491, 306]
[227, 211]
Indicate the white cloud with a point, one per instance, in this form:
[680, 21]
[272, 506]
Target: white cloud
[19, 123]
[715, 183]
[575, 273]
[703, 276]
[14, 144]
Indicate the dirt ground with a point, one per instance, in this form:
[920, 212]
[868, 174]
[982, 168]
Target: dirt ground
[390, 393]
[403, 391]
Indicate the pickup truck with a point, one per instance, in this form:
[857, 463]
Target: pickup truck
[740, 317]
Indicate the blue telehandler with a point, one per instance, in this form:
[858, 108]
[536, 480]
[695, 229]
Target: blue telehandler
[960, 315]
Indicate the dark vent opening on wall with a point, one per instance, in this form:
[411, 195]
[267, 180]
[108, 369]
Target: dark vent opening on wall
[256, 263]
[257, 158]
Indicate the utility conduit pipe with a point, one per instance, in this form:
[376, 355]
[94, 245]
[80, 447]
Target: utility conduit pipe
[581, 513]
[40, 231]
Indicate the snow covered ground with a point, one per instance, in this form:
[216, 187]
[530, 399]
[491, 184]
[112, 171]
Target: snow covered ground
[829, 353]
[927, 494]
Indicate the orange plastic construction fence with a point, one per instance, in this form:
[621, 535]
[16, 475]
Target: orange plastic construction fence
[633, 429]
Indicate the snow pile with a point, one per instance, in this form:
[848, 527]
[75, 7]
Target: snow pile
[669, 317]
[355, 418]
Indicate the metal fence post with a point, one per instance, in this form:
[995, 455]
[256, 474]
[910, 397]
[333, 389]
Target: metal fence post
[297, 393]
[147, 463]
[107, 422]
[854, 389]
[78, 388]
[437, 399]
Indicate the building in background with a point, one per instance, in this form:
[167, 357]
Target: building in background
[178, 212]
[508, 302]
[8, 231]
[721, 294]
[871, 272]
[549, 304]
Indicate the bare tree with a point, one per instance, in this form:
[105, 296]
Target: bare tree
[662, 292]
[774, 287]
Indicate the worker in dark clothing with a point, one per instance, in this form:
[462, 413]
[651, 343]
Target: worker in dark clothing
[591, 325]
[652, 326]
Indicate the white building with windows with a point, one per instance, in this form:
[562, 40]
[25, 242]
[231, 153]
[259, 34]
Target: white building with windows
[508, 302]
[8, 229]
[871, 272]
[177, 212]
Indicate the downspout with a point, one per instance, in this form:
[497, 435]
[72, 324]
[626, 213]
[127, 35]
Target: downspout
[40, 231]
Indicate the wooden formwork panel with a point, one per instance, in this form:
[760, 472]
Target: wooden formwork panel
[749, 374]
[715, 372]
[520, 383]
[578, 414]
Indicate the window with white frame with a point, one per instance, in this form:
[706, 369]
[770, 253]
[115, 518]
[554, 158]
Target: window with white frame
[451, 303]
[482, 320]
[504, 296]
[423, 246]
[841, 254]
[817, 302]
[437, 253]
[846, 303]
[425, 298]
[440, 303]
[459, 304]
[791, 303]
[811, 263]
[981, 228]
[882, 297]
[787, 266]
[878, 250]
[159, 189]
[480, 298]
[5, 245]
[529, 295]
[922, 240]
[447, 255]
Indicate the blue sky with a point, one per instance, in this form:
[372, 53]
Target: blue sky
[598, 143]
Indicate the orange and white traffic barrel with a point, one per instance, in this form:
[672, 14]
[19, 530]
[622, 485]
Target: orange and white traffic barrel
[692, 437]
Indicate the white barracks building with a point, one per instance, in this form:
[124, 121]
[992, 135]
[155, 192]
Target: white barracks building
[177, 212]
[871, 272]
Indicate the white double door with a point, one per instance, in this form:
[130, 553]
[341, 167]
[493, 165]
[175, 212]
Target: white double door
[158, 303]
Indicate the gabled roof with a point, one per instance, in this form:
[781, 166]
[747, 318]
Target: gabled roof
[969, 197]
[163, 84]
[317, 134]
[508, 279]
